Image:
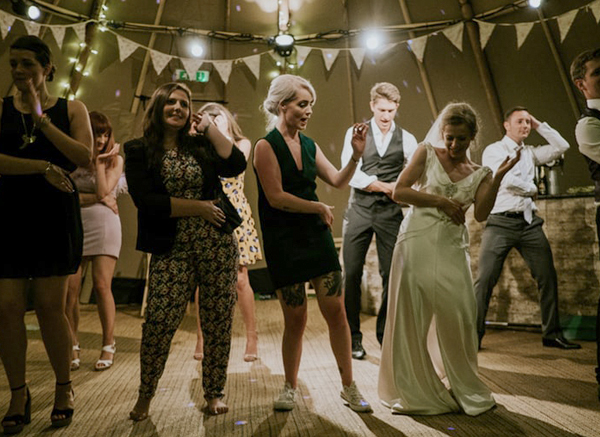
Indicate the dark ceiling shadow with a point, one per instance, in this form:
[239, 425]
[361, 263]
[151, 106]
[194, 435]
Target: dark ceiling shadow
[498, 422]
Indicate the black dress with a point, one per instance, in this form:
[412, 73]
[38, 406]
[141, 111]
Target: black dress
[298, 247]
[40, 226]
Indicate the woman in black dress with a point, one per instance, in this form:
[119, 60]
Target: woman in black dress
[297, 229]
[173, 178]
[42, 139]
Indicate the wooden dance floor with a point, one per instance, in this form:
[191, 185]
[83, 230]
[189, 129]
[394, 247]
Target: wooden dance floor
[539, 391]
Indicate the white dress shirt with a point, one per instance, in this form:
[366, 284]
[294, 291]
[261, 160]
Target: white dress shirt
[518, 187]
[587, 133]
[362, 180]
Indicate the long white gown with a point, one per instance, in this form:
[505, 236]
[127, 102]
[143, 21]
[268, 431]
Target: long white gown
[429, 351]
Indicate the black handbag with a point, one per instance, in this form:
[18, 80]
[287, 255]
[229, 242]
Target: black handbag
[232, 218]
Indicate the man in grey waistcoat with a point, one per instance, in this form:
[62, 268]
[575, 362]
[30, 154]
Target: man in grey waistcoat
[371, 209]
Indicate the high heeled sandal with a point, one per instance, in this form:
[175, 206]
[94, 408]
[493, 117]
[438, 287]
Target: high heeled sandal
[251, 357]
[76, 362]
[66, 412]
[19, 420]
[106, 364]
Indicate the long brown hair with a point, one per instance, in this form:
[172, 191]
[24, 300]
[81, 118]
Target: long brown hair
[101, 125]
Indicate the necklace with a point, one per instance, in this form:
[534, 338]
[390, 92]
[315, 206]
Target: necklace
[29, 138]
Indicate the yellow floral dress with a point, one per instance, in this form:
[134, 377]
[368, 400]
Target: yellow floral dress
[246, 235]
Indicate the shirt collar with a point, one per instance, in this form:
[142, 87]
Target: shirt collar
[510, 142]
[594, 104]
[377, 131]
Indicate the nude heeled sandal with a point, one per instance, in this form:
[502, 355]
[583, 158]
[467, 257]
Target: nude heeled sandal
[76, 362]
[106, 364]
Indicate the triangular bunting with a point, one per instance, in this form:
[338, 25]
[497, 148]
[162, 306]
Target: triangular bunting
[595, 8]
[80, 31]
[523, 30]
[276, 56]
[159, 60]
[6, 22]
[417, 46]
[32, 27]
[485, 31]
[191, 65]
[253, 63]
[126, 47]
[564, 23]
[329, 57]
[455, 35]
[386, 48]
[223, 68]
[301, 54]
[358, 55]
[59, 34]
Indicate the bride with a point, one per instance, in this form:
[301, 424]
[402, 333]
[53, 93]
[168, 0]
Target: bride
[429, 351]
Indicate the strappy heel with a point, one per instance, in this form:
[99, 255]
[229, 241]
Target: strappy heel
[106, 364]
[76, 362]
[19, 420]
[66, 412]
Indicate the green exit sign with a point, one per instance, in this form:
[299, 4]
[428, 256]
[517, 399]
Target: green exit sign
[201, 75]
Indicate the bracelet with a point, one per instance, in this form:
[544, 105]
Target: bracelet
[354, 160]
[43, 121]
[48, 167]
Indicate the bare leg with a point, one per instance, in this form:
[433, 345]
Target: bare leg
[72, 309]
[199, 352]
[331, 303]
[293, 303]
[13, 340]
[216, 406]
[50, 301]
[246, 304]
[103, 268]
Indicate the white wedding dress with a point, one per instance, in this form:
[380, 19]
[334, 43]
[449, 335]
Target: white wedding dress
[429, 351]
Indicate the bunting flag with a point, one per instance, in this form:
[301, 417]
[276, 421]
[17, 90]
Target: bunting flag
[32, 27]
[485, 31]
[384, 49]
[223, 68]
[59, 34]
[417, 46]
[595, 8]
[564, 23]
[301, 54]
[329, 57]
[276, 56]
[126, 47]
[191, 65]
[359, 56]
[523, 30]
[253, 63]
[6, 22]
[159, 60]
[80, 31]
[455, 35]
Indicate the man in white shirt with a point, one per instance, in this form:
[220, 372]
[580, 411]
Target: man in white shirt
[371, 209]
[513, 223]
[585, 73]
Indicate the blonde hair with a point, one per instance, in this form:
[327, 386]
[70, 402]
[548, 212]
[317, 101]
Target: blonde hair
[385, 90]
[214, 109]
[283, 89]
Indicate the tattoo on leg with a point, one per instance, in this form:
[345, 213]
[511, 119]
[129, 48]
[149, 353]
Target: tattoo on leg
[332, 282]
[293, 295]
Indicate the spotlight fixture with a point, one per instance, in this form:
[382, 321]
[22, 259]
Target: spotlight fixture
[372, 40]
[535, 3]
[196, 49]
[284, 44]
[25, 8]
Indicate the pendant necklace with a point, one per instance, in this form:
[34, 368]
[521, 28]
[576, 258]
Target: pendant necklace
[29, 138]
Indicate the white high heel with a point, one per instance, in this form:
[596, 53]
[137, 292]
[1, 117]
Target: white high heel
[76, 362]
[106, 364]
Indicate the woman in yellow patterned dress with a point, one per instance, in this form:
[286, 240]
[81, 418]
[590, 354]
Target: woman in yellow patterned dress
[247, 237]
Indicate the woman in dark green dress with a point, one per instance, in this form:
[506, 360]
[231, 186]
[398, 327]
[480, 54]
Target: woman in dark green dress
[296, 229]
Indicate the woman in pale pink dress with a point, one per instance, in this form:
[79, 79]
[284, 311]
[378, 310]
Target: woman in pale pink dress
[97, 185]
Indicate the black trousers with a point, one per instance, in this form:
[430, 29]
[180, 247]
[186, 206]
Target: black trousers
[382, 219]
[501, 234]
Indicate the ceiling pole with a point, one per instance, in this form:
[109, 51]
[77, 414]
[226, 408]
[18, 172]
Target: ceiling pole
[350, 82]
[422, 71]
[482, 65]
[559, 65]
[142, 79]
[90, 32]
